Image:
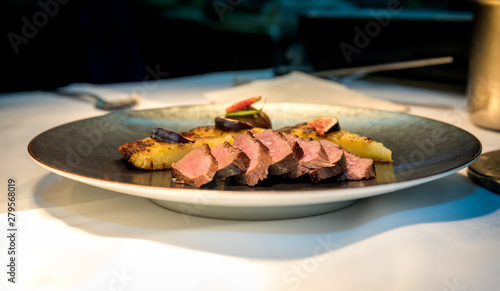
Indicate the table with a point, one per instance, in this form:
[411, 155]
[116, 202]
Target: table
[443, 235]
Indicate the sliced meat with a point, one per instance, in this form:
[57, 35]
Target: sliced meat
[260, 160]
[230, 160]
[196, 168]
[313, 158]
[285, 155]
[337, 162]
[358, 168]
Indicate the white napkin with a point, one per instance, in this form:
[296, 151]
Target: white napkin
[302, 88]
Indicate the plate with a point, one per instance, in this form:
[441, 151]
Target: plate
[87, 151]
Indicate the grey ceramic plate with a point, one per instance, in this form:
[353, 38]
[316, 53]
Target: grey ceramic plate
[87, 151]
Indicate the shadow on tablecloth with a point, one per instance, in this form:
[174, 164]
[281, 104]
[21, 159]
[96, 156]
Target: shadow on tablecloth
[110, 214]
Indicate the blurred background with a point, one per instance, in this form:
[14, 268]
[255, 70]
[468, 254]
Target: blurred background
[52, 43]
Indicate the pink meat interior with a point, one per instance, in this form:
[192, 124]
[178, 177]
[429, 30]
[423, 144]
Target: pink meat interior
[195, 163]
[250, 148]
[334, 151]
[278, 147]
[223, 155]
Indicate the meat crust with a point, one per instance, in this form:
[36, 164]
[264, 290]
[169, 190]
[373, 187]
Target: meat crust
[285, 155]
[231, 161]
[260, 160]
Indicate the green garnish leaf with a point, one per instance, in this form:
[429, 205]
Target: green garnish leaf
[245, 112]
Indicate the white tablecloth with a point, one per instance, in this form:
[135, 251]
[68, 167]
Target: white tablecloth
[443, 235]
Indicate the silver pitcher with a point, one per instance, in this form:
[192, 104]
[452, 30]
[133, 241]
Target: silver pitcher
[483, 85]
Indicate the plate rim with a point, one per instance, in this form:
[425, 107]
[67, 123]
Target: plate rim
[224, 197]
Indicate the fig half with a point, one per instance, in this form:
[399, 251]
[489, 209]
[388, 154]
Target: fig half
[257, 120]
[324, 124]
[166, 135]
[244, 111]
[229, 124]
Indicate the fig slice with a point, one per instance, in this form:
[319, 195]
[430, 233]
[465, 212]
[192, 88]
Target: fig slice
[231, 124]
[243, 104]
[166, 135]
[324, 124]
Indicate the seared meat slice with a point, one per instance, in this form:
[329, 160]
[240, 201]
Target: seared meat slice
[314, 156]
[231, 161]
[260, 160]
[337, 162]
[196, 168]
[358, 168]
[285, 155]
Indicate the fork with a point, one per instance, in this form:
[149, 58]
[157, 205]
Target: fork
[105, 99]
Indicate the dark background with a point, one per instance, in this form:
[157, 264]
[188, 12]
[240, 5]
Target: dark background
[50, 43]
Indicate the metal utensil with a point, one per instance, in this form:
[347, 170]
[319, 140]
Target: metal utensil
[356, 72]
[105, 99]
[384, 67]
